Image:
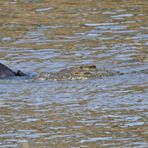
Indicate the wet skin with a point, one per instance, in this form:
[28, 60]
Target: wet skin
[6, 72]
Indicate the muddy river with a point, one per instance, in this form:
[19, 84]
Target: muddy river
[49, 35]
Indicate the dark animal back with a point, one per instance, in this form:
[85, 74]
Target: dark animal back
[6, 72]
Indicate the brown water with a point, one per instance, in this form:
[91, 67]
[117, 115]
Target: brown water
[50, 35]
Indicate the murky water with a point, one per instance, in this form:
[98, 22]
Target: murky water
[50, 35]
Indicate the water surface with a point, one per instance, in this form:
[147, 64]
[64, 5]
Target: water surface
[50, 35]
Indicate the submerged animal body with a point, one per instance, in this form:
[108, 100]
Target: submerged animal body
[77, 73]
[88, 71]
